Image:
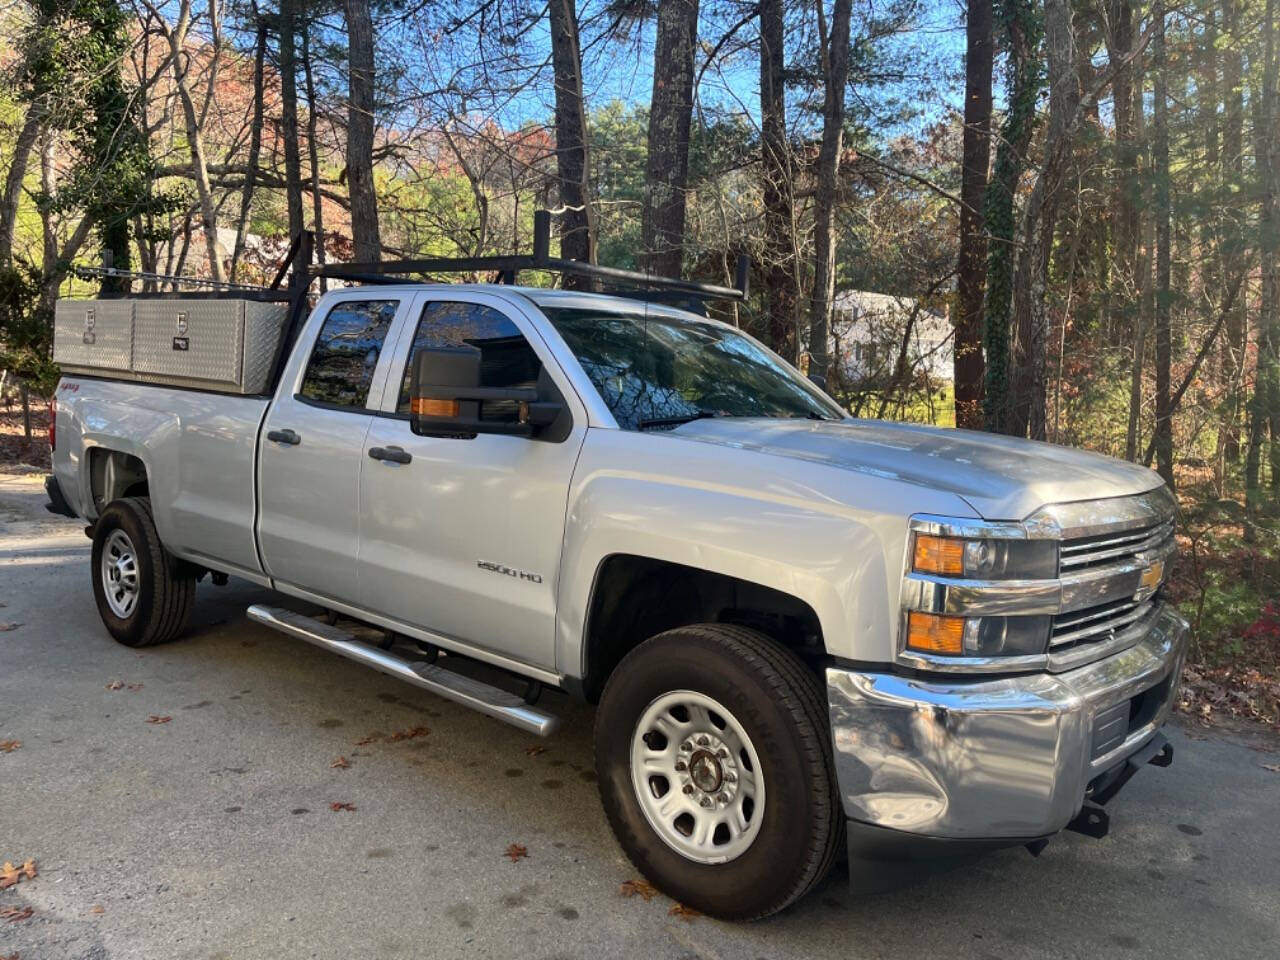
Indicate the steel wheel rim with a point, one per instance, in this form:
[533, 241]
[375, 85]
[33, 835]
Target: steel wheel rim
[697, 780]
[119, 568]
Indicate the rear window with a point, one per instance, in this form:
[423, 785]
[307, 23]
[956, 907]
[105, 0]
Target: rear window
[342, 362]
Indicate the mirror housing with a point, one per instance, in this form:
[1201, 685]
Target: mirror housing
[446, 399]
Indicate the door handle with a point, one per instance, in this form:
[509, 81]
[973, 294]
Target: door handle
[284, 436]
[390, 454]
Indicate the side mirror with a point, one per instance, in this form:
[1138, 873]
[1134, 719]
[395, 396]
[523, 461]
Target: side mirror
[446, 399]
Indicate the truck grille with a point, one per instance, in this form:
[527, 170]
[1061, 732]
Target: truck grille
[1082, 553]
[1097, 623]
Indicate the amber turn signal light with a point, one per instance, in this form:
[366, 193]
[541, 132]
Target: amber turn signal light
[940, 555]
[429, 407]
[935, 633]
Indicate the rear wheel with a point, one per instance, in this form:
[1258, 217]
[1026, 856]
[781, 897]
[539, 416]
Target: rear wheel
[714, 761]
[143, 596]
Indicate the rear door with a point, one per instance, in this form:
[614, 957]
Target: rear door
[462, 537]
[312, 446]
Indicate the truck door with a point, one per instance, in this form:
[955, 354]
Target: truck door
[459, 536]
[312, 447]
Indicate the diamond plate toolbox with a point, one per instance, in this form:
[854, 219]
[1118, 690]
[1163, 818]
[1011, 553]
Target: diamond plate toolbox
[224, 344]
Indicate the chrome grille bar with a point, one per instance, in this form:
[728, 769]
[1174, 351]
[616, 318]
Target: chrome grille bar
[1097, 623]
[1090, 551]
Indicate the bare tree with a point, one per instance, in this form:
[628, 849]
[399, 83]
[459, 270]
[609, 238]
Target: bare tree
[360, 131]
[577, 221]
[835, 64]
[781, 288]
[972, 263]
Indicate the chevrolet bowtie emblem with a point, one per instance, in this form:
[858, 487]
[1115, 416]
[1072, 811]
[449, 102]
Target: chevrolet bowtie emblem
[1151, 578]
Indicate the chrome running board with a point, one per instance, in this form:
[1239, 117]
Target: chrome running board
[482, 697]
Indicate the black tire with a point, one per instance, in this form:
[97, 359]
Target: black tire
[164, 592]
[781, 706]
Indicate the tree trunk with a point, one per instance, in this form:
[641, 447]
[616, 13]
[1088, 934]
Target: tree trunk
[289, 115]
[781, 289]
[670, 119]
[1028, 406]
[1163, 218]
[22, 148]
[1021, 27]
[1266, 392]
[577, 222]
[180, 62]
[313, 150]
[360, 129]
[1123, 286]
[255, 142]
[1142, 271]
[836, 77]
[972, 262]
[1233, 238]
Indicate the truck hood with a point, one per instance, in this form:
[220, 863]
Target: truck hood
[1002, 478]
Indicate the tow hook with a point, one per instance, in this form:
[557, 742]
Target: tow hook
[1092, 820]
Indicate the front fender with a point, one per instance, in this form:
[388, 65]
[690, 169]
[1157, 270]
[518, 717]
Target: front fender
[775, 521]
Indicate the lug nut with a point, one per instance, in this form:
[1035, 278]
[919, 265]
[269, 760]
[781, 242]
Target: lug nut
[680, 765]
[686, 747]
[705, 801]
[703, 740]
[729, 778]
[722, 753]
[688, 788]
[723, 798]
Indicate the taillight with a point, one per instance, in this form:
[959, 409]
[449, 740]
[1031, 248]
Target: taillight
[53, 423]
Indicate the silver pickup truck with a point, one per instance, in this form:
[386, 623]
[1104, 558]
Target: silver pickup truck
[802, 631]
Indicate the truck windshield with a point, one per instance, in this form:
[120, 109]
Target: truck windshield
[660, 371]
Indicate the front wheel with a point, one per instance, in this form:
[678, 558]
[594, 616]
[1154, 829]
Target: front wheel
[143, 597]
[715, 768]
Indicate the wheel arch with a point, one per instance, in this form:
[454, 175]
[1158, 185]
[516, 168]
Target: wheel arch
[634, 597]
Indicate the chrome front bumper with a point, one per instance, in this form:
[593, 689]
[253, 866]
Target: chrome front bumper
[1007, 758]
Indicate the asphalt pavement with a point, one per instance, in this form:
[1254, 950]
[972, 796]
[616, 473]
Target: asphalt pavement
[213, 833]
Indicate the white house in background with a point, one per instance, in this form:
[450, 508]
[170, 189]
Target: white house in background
[868, 329]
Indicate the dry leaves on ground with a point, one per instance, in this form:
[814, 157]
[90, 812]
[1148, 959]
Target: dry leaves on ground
[97, 908]
[683, 912]
[12, 956]
[10, 875]
[341, 763]
[8, 746]
[336, 806]
[638, 888]
[6, 627]
[365, 741]
[408, 734]
[536, 749]
[15, 914]
[155, 718]
[120, 685]
[516, 852]
[1273, 767]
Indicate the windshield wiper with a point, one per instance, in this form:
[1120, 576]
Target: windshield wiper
[677, 421]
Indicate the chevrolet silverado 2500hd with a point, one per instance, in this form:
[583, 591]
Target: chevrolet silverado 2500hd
[802, 630]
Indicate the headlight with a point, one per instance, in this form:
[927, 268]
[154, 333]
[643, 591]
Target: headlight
[956, 636]
[985, 559]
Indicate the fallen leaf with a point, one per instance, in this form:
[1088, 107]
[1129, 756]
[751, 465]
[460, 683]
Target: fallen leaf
[12, 956]
[97, 908]
[341, 763]
[335, 806]
[9, 874]
[683, 912]
[638, 888]
[517, 852]
[408, 734]
[135, 686]
[8, 746]
[536, 749]
[1273, 767]
[115, 685]
[158, 719]
[15, 915]
[365, 741]
[6, 627]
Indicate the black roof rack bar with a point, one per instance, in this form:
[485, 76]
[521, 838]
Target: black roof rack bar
[221, 286]
[507, 266]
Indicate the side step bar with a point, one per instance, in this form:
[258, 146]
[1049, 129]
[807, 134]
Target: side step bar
[477, 695]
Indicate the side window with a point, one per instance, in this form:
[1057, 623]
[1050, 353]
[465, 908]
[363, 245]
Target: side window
[346, 352]
[506, 359]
